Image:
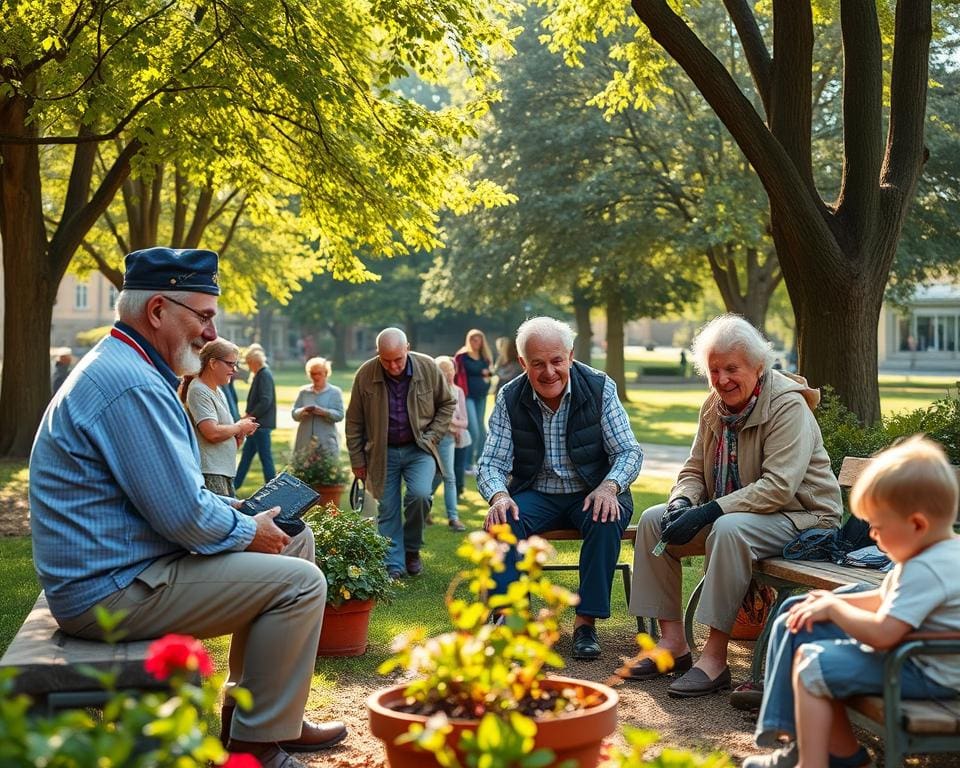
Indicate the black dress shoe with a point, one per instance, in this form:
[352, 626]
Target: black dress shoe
[586, 644]
[414, 564]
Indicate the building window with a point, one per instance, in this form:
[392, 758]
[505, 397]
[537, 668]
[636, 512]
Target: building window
[929, 331]
[80, 296]
[112, 294]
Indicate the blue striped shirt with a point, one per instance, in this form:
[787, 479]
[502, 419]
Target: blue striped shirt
[115, 480]
[558, 474]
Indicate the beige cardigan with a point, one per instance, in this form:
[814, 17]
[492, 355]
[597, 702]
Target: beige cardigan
[781, 459]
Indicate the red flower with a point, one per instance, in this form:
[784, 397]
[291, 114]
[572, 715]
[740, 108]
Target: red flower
[175, 653]
[241, 760]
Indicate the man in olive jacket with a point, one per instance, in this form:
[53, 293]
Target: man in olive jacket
[400, 408]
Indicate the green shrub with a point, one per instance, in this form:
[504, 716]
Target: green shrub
[844, 435]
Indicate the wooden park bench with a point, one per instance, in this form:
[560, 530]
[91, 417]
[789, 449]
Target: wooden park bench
[572, 534]
[50, 664]
[906, 726]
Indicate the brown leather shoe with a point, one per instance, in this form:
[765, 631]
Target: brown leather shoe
[316, 736]
[269, 755]
[414, 564]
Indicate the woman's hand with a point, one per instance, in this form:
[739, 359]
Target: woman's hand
[690, 522]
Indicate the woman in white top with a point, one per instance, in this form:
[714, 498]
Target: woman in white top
[318, 408]
[217, 433]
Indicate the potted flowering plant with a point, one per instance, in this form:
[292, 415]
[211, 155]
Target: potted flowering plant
[153, 729]
[483, 688]
[351, 554]
[321, 469]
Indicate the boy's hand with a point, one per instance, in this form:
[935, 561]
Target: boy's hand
[817, 606]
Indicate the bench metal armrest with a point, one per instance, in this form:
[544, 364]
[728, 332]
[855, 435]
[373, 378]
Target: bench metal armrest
[914, 644]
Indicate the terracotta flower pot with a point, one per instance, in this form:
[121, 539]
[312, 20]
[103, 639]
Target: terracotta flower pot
[575, 735]
[344, 630]
[329, 493]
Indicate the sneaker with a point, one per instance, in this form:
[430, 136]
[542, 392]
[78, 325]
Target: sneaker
[785, 757]
[394, 574]
[470, 471]
[456, 525]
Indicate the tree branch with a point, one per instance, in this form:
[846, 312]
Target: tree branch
[754, 47]
[862, 117]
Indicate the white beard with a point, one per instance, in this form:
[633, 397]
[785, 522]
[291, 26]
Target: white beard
[187, 361]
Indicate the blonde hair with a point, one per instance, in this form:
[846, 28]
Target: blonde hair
[913, 476]
[218, 348]
[445, 363]
[729, 333]
[485, 353]
[318, 362]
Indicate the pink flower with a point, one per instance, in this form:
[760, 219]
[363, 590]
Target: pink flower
[175, 653]
[241, 760]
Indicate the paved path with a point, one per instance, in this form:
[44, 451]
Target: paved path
[663, 460]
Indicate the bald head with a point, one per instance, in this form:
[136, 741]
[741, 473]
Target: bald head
[392, 349]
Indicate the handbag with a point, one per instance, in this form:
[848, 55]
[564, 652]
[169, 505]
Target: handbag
[754, 609]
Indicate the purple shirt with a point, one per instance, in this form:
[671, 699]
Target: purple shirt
[399, 431]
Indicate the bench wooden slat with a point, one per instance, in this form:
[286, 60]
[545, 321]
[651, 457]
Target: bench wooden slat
[572, 534]
[815, 574]
[920, 717]
[47, 659]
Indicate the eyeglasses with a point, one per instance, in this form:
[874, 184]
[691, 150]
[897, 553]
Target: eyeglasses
[206, 319]
[232, 363]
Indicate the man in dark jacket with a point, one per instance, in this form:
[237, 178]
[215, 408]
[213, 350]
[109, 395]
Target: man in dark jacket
[262, 406]
[560, 453]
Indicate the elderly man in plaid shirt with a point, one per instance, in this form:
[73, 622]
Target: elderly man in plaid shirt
[560, 454]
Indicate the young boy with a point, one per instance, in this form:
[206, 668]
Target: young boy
[827, 646]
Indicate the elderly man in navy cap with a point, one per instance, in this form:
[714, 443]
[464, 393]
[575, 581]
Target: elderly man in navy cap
[120, 517]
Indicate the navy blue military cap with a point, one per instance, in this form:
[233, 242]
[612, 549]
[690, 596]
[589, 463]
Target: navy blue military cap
[172, 269]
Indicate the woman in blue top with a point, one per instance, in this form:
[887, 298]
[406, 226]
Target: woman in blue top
[473, 362]
[318, 408]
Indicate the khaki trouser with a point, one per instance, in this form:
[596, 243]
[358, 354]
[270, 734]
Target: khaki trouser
[731, 545]
[272, 605]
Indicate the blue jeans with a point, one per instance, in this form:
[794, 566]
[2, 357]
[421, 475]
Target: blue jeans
[445, 475]
[477, 426]
[415, 468]
[459, 467]
[832, 661]
[541, 512]
[257, 443]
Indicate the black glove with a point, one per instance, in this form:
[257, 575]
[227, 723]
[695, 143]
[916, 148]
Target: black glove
[674, 509]
[691, 520]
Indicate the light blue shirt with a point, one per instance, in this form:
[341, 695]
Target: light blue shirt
[115, 480]
[558, 474]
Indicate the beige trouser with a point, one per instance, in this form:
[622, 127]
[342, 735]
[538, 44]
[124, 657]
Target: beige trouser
[272, 606]
[731, 545]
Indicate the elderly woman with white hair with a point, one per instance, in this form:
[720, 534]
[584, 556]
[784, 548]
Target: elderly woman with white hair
[318, 408]
[757, 475]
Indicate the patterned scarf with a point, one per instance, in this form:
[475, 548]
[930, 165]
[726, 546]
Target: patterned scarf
[726, 475]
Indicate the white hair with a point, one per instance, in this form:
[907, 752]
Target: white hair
[544, 328]
[391, 338]
[132, 302]
[729, 333]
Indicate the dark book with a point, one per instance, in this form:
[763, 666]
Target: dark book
[293, 496]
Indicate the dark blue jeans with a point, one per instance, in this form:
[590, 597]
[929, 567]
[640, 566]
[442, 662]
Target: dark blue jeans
[257, 443]
[540, 512]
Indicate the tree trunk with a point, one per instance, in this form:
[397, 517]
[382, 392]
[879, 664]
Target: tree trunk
[583, 345]
[615, 365]
[30, 287]
[339, 332]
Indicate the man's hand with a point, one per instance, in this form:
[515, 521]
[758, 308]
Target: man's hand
[246, 426]
[360, 473]
[817, 606]
[674, 510]
[691, 521]
[501, 505]
[603, 498]
[268, 538]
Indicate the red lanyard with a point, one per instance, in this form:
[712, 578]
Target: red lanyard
[130, 342]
